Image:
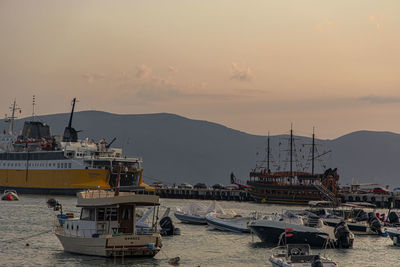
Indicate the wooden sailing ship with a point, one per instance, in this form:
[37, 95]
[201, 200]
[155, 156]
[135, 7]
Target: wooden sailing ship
[293, 187]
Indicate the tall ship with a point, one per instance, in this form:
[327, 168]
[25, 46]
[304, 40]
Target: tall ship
[37, 162]
[290, 186]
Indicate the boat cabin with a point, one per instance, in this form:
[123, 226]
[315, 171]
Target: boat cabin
[103, 213]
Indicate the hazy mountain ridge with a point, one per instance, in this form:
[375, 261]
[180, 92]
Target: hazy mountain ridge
[176, 149]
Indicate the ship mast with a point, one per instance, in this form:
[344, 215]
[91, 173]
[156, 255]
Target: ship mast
[268, 149]
[291, 150]
[13, 117]
[313, 149]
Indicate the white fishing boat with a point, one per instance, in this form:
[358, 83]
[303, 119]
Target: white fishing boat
[107, 225]
[195, 213]
[298, 255]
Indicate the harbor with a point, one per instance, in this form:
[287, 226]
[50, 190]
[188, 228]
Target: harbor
[196, 246]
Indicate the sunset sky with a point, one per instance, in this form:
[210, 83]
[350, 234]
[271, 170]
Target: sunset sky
[255, 66]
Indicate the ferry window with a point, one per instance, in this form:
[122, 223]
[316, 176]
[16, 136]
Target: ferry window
[87, 214]
[69, 165]
[58, 165]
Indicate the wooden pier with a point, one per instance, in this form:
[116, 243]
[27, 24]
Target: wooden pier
[207, 194]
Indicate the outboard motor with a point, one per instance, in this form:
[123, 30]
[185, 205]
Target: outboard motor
[167, 227]
[316, 262]
[344, 238]
[374, 223]
[394, 217]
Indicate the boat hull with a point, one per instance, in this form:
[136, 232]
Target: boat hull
[226, 225]
[126, 246]
[190, 219]
[271, 231]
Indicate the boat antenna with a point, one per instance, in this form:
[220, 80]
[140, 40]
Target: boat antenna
[33, 108]
[291, 149]
[313, 149]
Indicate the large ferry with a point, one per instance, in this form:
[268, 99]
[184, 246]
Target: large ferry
[38, 162]
[290, 186]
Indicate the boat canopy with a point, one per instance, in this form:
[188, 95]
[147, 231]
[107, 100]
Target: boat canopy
[100, 198]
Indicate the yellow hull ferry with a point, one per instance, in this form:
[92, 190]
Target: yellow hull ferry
[40, 163]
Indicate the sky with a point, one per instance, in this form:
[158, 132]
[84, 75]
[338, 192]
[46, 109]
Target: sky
[255, 66]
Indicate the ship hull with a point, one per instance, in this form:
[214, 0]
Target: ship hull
[289, 194]
[125, 246]
[67, 182]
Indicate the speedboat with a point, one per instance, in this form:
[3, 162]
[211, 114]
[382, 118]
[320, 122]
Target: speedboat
[298, 229]
[195, 213]
[230, 221]
[107, 225]
[290, 226]
[360, 222]
[298, 255]
[10, 195]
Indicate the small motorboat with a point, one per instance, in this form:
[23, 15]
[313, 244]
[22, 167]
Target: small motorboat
[299, 255]
[10, 195]
[195, 213]
[300, 229]
[230, 221]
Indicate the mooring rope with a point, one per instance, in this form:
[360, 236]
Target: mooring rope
[25, 237]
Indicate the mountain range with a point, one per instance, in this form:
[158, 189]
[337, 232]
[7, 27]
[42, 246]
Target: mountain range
[176, 149]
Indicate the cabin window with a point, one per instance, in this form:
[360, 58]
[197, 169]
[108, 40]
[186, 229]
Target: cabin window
[69, 165]
[104, 214]
[87, 214]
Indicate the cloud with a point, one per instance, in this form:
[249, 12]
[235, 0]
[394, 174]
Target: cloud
[372, 99]
[91, 77]
[172, 69]
[142, 72]
[320, 27]
[241, 74]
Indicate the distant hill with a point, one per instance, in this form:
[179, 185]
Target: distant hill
[177, 149]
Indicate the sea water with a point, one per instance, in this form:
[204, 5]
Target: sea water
[26, 239]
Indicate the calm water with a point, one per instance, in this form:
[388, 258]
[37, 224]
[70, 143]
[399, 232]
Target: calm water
[30, 221]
